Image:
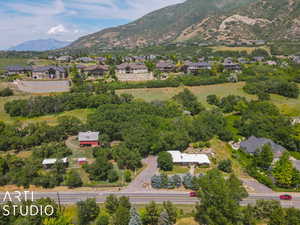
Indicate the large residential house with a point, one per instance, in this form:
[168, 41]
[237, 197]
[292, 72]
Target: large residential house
[15, 70]
[133, 72]
[85, 60]
[132, 68]
[49, 72]
[165, 67]
[96, 71]
[65, 58]
[253, 145]
[196, 67]
[231, 66]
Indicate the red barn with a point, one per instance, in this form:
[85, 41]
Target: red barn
[89, 139]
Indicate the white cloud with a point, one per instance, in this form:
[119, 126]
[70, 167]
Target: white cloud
[35, 20]
[57, 29]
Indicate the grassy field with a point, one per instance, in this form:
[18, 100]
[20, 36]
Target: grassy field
[249, 50]
[287, 106]
[177, 170]
[221, 90]
[223, 151]
[4, 62]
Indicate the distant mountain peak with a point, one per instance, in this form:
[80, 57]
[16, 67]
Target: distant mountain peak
[40, 45]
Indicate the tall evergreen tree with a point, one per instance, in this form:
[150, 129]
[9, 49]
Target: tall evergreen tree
[164, 219]
[135, 219]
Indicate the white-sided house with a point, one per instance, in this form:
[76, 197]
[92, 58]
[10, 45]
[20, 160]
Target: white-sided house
[48, 163]
[189, 159]
[133, 72]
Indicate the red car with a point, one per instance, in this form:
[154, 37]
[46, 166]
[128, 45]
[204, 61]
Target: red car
[193, 194]
[285, 197]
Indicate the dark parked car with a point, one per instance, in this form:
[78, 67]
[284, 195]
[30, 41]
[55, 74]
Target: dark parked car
[193, 194]
[285, 197]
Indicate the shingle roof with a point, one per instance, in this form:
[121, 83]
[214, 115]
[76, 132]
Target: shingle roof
[46, 68]
[18, 68]
[98, 67]
[200, 64]
[163, 64]
[253, 143]
[88, 136]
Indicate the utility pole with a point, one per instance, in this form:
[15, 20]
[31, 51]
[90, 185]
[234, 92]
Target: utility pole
[59, 204]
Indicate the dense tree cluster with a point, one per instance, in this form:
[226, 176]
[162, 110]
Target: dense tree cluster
[42, 105]
[165, 161]
[272, 86]
[150, 128]
[21, 137]
[263, 119]
[227, 104]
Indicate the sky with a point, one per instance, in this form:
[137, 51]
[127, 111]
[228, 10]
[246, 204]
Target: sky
[67, 20]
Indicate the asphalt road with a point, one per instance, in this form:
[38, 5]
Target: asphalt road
[143, 198]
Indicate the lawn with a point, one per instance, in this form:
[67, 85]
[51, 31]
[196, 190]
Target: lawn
[223, 151]
[177, 170]
[221, 90]
[288, 106]
[4, 62]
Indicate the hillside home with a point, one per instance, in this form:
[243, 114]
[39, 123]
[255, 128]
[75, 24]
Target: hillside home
[196, 67]
[15, 70]
[165, 67]
[65, 58]
[85, 60]
[49, 72]
[189, 159]
[101, 60]
[258, 59]
[97, 71]
[80, 68]
[253, 145]
[133, 72]
[231, 66]
[88, 139]
[130, 68]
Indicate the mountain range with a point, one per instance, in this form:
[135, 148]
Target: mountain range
[40, 45]
[204, 20]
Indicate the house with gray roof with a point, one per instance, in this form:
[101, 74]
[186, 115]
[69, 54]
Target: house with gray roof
[253, 144]
[196, 67]
[14, 70]
[165, 67]
[49, 72]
